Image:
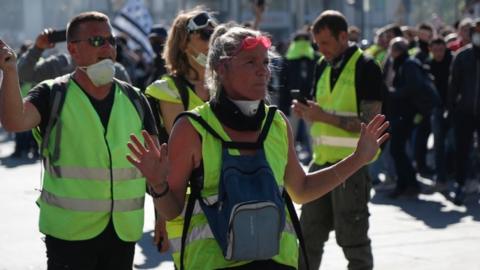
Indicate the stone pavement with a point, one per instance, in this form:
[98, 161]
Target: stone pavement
[426, 233]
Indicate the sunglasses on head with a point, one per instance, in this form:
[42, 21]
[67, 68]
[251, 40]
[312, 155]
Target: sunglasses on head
[98, 41]
[200, 21]
[250, 43]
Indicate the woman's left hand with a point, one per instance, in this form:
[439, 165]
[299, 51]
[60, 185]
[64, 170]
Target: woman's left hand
[372, 136]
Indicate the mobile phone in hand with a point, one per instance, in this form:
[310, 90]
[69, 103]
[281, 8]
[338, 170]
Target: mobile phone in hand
[297, 94]
[57, 36]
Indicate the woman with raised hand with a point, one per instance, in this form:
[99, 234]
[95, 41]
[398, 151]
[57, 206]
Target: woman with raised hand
[236, 129]
[183, 88]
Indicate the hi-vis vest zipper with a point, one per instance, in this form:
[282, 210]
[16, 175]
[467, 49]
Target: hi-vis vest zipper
[87, 178]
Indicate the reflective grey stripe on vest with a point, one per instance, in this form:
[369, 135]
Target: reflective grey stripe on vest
[92, 205]
[348, 114]
[335, 141]
[83, 173]
[204, 232]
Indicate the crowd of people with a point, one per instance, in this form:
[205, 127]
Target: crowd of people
[196, 129]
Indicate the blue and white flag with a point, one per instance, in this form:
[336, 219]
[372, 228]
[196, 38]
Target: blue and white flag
[135, 21]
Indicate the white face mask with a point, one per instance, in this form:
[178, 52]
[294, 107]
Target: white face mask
[476, 39]
[201, 59]
[248, 107]
[100, 73]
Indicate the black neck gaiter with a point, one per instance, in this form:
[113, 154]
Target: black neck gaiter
[230, 115]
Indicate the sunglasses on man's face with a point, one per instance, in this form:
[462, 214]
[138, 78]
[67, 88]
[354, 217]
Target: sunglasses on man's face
[98, 41]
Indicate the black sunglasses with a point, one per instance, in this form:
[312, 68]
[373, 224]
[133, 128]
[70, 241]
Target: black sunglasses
[98, 41]
[205, 34]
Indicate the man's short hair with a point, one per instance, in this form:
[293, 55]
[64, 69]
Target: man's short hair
[75, 22]
[425, 26]
[438, 41]
[331, 20]
[394, 29]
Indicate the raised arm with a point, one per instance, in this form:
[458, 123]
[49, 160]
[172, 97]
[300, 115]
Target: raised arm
[168, 173]
[304, 188]
[15, 115]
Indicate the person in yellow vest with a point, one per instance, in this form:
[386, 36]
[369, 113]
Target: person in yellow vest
[92, 199]
[237, 76]
[347, 93]
[183, 88]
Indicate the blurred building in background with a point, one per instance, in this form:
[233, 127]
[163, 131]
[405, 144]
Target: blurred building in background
[24, 19]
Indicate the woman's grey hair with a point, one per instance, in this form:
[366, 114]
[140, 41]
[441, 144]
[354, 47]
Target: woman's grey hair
[224, 43]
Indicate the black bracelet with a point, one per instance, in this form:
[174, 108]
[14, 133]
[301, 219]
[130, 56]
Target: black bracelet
[156, 195]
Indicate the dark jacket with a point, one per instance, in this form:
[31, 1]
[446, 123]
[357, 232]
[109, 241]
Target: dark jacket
[295, 74]
[414, 90]
[441, 73]
[464, 91]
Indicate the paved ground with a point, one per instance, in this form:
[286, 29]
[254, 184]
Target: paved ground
[428, 232]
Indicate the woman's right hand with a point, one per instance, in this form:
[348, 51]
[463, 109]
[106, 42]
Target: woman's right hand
[151, 159]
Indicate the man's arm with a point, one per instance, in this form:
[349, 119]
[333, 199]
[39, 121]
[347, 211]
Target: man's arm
[27, 63]
[30, 69]
[312, 112]
[368, 109]
[453, 84]
[14, 114]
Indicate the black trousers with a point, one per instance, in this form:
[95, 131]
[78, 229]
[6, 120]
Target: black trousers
[464, 126]
[401, 130]
[103, 252]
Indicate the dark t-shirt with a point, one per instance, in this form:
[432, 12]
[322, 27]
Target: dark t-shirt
[369, 84]
[39, 96]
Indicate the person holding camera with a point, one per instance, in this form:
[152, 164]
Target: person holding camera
[92, 199]
[347, 92]
[32, 68]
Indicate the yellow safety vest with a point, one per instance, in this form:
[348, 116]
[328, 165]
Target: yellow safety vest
[87, 179]
[330, 143]
[202, 250]
[166, 90]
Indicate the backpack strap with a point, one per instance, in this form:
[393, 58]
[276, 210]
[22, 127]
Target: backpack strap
[182, 87]
[134, 97]
[268, 123]
[56, 101]
[196, 185]
[296, 226]
[157, 117]
[203, 123]
[230, 144]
